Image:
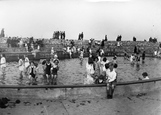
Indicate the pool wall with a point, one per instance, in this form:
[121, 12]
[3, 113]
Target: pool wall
[68, 93]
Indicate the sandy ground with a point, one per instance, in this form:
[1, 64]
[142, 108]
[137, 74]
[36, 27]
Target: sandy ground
[141, 104]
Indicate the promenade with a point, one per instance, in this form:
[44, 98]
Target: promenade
[141, 104]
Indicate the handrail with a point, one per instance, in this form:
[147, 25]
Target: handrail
[76, 86]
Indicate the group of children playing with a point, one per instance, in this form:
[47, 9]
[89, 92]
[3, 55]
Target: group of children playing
[50, 68]
[30, 69]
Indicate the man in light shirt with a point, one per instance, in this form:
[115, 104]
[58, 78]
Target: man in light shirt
[111, 79]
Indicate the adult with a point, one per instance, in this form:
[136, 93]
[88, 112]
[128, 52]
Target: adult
[111, 79]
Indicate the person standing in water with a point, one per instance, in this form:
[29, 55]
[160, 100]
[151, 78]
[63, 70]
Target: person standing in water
[48, 70]
[96, 70]
[143, 56]
[81, 54]
[54, 72]
[21, 67]
[32, 73]
[3, 64]
[27, 63]
[90, 71]
[52, 51]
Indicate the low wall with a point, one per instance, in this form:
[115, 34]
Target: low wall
[68, 93]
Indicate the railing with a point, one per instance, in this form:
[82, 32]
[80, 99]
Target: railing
[77, 86]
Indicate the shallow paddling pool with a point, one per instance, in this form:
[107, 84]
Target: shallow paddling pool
[72, 71]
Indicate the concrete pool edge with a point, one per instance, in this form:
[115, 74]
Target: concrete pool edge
[91, 92]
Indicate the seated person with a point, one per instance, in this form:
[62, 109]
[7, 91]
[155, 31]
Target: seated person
[144, 76]
[111, 79]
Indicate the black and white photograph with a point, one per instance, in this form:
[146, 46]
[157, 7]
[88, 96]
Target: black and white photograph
[80, 57]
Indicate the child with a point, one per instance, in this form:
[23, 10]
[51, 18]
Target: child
[81, 55]
[52, 51]
[27, 63]
[48, 70]
[20, 66]
[54, 71]
[32, 73]
[114, 59]
[145, 76]
[3, 63]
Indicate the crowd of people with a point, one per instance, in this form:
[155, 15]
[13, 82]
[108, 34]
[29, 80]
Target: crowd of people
[30, 44]
[59, 35]
[98, 68]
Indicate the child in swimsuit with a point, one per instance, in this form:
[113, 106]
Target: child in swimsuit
[32, 72]
[48, 70]
[54, 72]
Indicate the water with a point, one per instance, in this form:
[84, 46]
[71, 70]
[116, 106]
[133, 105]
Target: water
[73, 72]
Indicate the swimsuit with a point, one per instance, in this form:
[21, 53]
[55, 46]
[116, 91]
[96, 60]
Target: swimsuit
[48, 67]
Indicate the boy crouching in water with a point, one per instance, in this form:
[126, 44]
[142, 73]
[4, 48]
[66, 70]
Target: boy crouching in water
[32, 73]
[54, 72]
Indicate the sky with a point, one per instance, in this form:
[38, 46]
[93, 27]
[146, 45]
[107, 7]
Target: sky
[95, 18]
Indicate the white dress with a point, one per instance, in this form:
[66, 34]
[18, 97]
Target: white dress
[90, 71]
[26, 62]
[21, 66]
[3, 62]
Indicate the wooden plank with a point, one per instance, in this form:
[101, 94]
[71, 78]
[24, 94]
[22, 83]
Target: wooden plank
[76, 86]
